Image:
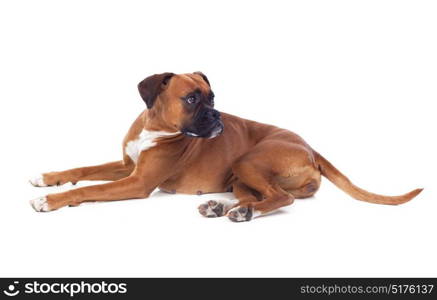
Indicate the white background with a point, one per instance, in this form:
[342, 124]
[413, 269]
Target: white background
[356, 79]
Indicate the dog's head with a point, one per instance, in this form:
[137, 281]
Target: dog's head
[183, 102]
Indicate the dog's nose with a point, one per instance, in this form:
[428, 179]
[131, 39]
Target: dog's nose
[215, 114]
[211, 114]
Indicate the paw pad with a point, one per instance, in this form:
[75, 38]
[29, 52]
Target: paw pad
[240, 214]
[211, 209]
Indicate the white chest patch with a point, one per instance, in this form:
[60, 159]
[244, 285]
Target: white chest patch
[146, 140]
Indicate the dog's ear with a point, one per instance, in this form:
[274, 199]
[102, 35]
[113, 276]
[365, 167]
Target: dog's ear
[150, 87]
[203, 76]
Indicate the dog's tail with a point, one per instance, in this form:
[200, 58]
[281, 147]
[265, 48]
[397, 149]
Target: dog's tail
[343, 183]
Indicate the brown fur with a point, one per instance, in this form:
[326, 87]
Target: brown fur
[265, 166]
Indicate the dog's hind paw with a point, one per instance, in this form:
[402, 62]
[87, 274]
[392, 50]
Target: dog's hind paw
[212, 209]
[242, 214]
[217, 208]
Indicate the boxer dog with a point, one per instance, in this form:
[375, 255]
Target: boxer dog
[181, 144]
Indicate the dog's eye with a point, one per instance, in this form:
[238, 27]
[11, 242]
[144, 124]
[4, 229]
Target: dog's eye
[191, 99]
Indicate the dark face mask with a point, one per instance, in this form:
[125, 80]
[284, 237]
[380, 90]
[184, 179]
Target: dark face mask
[206, 123]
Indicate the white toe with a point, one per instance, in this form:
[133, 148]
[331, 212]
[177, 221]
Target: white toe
[38, 181]
[40, 204]
[210, 211]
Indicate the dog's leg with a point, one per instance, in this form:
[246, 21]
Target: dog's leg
[272, 168]
[275, 198]
[109, 171]
[139, 184]
[219, 208]
[273, 195]
[132, 187]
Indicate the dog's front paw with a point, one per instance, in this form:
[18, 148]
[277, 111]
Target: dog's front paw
[51, 179]
[38, 181]
[240, 214]
[40, 204]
